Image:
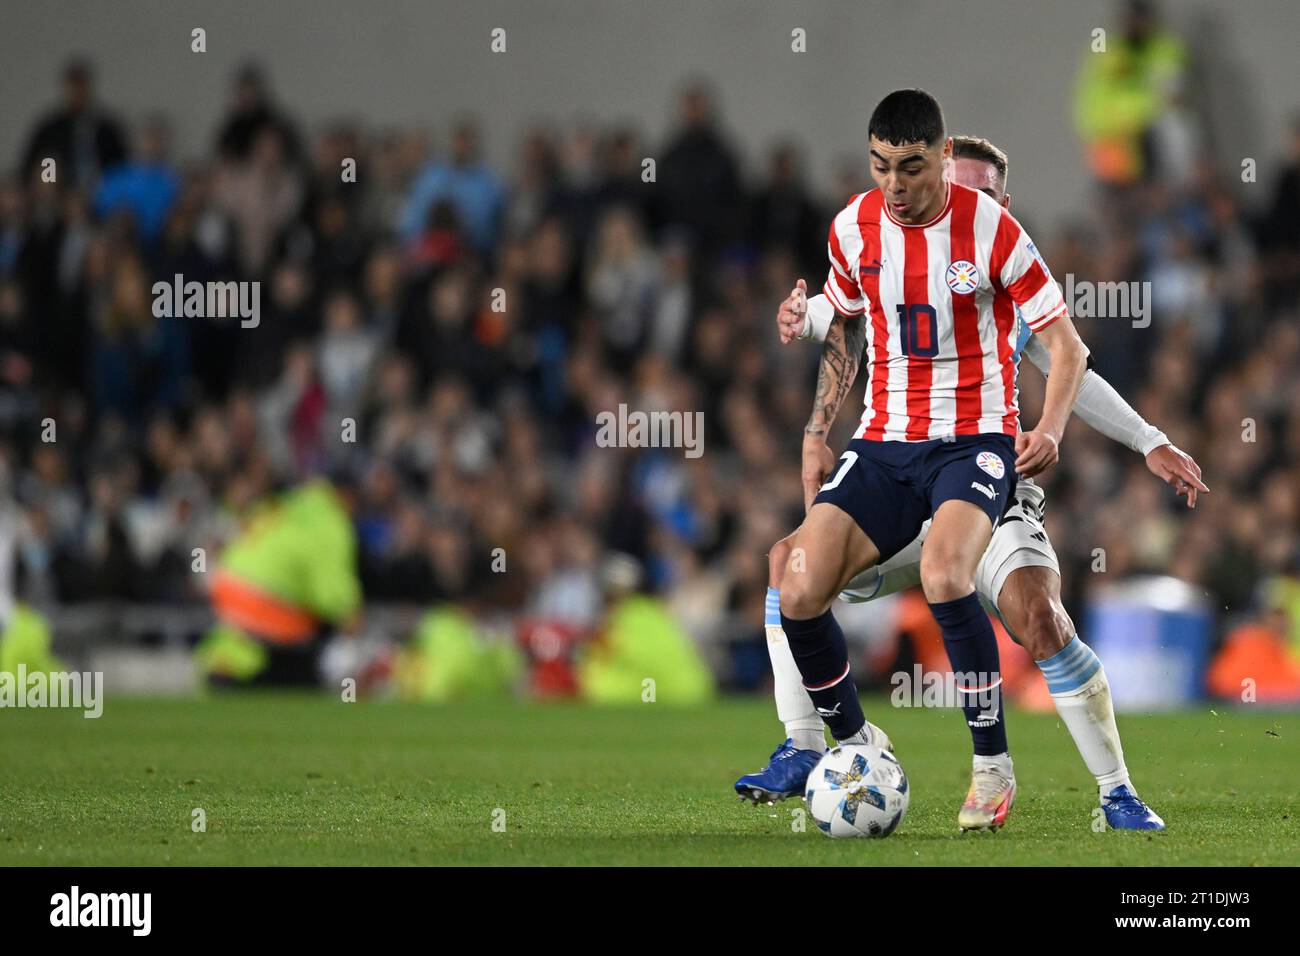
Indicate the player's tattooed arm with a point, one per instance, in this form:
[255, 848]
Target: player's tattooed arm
[841, 356]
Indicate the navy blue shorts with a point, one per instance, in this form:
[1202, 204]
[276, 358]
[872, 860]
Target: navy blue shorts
[890, 488]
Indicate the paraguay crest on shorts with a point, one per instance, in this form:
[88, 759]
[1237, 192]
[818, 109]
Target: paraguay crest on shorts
[990, 464]
[963, 278]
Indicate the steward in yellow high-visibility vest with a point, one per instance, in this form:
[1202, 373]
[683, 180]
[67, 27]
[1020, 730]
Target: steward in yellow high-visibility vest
[281, 585]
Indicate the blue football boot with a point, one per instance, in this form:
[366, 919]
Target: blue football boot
[785, 775]
[1125, 811]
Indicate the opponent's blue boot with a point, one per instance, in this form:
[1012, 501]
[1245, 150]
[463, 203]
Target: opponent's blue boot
[1124, 811]
[786, 775]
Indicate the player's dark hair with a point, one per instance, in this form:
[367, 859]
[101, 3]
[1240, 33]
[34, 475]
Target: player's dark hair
[976, 147]
[907, 116]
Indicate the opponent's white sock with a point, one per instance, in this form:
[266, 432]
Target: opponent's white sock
[794, 707]
[1081, 693]
[807, 738]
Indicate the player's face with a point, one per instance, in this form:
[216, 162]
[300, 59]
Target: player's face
[981, 175]
[910, 177]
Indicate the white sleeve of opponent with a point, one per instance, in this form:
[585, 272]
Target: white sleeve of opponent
[817, 321]
[1103, 408]
[1037, 353]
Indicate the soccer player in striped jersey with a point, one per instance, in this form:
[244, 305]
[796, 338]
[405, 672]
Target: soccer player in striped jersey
[1018, 577]
[925, 277]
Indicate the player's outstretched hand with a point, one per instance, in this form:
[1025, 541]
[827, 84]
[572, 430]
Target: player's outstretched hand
[792, 314]
[818, 462]
[1175, 467]
[1036, 451]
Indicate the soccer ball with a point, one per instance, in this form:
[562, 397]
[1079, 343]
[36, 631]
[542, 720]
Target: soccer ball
[857, 791]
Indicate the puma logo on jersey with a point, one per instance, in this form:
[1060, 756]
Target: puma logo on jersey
[986, 489]
[873, 269]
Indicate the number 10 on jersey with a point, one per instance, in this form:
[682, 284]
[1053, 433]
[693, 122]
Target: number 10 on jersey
[918, 330]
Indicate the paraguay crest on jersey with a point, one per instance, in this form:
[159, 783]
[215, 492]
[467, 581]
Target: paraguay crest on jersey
[963, 278]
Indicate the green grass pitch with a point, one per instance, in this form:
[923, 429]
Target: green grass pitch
[285, 779]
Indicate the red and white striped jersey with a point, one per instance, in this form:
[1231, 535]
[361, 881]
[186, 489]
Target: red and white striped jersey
[940, 299]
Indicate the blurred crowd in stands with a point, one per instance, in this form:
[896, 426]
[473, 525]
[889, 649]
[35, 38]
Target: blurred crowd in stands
[472, 320]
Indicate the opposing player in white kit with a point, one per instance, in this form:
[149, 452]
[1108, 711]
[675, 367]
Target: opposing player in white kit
[1018, 576]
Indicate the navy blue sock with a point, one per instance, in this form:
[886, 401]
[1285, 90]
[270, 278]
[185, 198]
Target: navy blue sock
[973, 653]
[818, 648]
